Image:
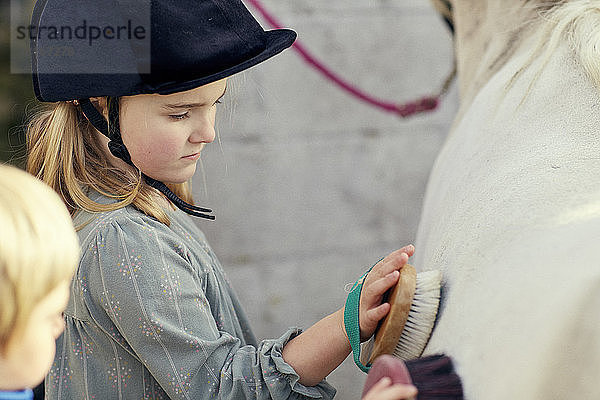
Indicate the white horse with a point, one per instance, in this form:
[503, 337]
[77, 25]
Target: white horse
[512, 210]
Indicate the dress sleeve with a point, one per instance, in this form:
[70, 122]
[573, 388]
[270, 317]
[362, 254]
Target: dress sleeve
[147, 288]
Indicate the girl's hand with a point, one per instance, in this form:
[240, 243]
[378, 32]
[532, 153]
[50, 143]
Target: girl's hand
[384, 390]
[382, 277]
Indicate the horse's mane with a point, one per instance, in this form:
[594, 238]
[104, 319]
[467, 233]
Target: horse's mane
[578, 22]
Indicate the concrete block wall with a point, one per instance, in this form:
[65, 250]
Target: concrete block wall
[310, 186]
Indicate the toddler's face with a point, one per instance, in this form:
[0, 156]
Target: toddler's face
[166, 133]
[28, 358]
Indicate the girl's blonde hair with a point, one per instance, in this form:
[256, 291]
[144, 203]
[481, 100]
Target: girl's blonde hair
[38, 248]
[65, 152]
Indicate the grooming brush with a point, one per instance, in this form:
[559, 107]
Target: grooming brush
[405, 331]
[433, 376]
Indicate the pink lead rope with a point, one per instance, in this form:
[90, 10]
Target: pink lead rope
[424, 104]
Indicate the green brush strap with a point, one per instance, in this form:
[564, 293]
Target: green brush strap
[352, 320]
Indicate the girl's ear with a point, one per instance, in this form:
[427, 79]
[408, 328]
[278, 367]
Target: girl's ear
[101, 105]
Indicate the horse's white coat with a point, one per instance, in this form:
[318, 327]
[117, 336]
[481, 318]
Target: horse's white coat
[512, 218]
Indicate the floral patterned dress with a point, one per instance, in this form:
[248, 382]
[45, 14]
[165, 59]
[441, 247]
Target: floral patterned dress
[152, 316]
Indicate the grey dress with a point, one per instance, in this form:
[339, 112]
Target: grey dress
[152, 316]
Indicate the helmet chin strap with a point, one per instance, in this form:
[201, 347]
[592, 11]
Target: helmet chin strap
[118, 149]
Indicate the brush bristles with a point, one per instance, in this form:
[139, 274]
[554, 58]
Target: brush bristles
[435, 378]
[421, 317]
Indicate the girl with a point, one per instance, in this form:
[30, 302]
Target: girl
[151, 313]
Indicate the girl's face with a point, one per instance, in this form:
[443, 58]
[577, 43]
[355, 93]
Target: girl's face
[166, 133]
[29, 357]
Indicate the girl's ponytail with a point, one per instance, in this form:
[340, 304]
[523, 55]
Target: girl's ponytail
[65, 152]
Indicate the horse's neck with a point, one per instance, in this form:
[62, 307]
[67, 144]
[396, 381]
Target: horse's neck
[512, 210]
[488, 32]
[524, 136]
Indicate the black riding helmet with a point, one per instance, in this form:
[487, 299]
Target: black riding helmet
[91, 48]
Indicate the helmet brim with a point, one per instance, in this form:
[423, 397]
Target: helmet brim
[276, 41]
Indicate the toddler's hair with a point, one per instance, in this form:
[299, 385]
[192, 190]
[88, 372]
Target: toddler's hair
[38, 248]
[66, 152]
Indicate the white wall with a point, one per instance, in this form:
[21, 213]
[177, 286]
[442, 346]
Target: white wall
[311, 186]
